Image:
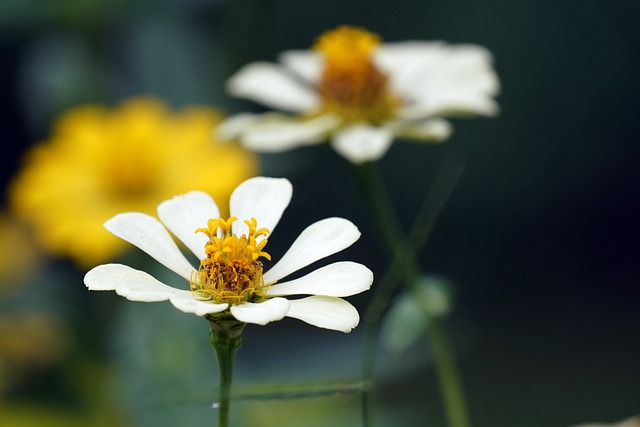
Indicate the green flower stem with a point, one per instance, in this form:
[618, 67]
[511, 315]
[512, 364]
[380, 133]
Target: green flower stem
[404, 268]
[450, 386]
[386, 220]
[298, 390]
[402, 261]
[226, 339]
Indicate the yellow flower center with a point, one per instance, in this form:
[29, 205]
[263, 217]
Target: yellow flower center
[132, 171]
[232, 272]
[132, 162]
[351, 86]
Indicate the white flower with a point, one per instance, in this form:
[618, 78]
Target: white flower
[361, 94]
[230, 279]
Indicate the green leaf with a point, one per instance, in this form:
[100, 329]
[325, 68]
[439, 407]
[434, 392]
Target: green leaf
[411, 312]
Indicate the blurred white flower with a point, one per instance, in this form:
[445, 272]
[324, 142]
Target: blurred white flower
[230, 279]
[360, 93]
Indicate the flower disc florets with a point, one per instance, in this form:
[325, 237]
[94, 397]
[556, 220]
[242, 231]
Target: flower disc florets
[232, 271]
[351, 85]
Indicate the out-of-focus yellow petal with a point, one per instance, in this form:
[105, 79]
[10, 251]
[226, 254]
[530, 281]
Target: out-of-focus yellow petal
[98, 162]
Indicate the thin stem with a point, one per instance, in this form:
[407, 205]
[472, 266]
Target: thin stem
[388, 225]
[404, 266]
[226, 339]
[389, 281]
[378, 201]
[448, 376]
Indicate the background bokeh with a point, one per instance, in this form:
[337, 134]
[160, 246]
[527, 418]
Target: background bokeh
[541, 236]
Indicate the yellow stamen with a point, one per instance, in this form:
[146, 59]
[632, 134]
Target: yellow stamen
[232, 272]
[351, 85]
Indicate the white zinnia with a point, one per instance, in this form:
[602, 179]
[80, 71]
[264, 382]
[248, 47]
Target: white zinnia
[361, 94]
[262, 199]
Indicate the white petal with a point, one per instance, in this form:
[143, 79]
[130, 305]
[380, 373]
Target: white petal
[319, 240]
[469, 67]
[307, 64]
[135, 285]
[184, 214]
[101, 278]
[413, 64]
[325, 312]
[190, 304]
[461, 81]
[408, 63]
[264, 199]
[274, 86]
[148, 234]
[271, 136]
[233, 126]
[362, 143]
[452, 103]
[261, 313]
[436, 129]
[340, 279]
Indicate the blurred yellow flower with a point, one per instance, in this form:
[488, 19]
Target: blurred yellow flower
[98, 162]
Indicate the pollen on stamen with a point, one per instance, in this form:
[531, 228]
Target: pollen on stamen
[232, 271]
